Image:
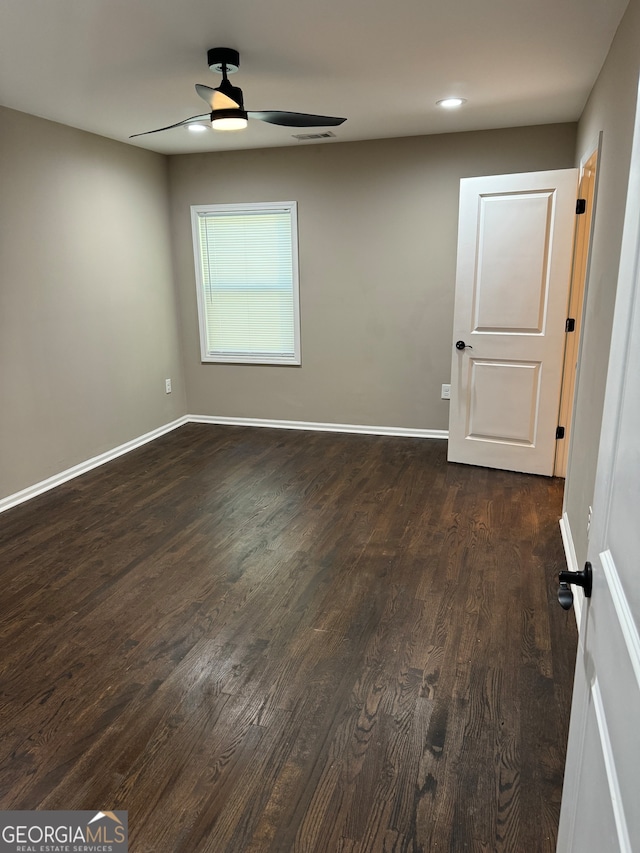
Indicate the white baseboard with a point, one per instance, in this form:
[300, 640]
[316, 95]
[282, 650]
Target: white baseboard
[321, 427]
[82, 468]
[572, 564]
[57, 479]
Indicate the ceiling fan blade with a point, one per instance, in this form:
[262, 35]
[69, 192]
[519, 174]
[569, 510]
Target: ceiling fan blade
[295, 119]
[216, 99]
[192, 120]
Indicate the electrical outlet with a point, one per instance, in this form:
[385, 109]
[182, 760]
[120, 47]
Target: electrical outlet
[446, 392]
[167, 386]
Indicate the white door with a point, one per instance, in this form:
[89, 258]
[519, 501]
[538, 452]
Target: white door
[515, 246]
[601, 798]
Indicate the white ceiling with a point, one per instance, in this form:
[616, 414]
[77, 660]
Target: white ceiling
[118, 67]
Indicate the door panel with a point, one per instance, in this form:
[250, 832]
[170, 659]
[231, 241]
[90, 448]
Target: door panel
[602, 775]
[514, 261]
[516, 382]
[601, 833]
[513, 247]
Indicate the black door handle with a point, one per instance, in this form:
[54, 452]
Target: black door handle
[565, 597]
[583, 579]
[462, 345]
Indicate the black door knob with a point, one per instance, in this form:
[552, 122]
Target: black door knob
[583, 579]
[565, 597]
[462, 345]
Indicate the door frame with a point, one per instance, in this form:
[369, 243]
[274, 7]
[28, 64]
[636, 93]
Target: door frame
[583, 239]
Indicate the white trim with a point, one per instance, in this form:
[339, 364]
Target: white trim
[572, 565]
[623, 611]
[320, 427]
[82, 468]
[615, 794]
[58, 479]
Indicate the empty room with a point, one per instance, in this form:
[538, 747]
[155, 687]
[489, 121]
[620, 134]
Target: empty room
[319, 456]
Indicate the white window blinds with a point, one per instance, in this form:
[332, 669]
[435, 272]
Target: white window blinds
[247, 277]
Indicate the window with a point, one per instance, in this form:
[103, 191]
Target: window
[246, 259]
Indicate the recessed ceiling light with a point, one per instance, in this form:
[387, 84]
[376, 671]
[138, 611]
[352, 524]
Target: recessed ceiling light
[196, 128]
[451, 103]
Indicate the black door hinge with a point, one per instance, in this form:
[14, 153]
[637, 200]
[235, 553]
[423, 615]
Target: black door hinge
[581, 206]
[560, 432]
[570, 325]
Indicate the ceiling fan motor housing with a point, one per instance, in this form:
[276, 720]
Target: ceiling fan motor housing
[233, 92]
[219, 58]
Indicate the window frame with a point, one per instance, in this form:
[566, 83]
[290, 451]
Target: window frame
[199, 210]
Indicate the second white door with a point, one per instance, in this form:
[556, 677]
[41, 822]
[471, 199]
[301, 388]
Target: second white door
[515, 246]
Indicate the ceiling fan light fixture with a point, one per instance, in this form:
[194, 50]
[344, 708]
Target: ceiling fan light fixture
[451, 103]
[231, 119]
[226, 103]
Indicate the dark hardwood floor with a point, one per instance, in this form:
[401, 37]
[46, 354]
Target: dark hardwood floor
[261, 640]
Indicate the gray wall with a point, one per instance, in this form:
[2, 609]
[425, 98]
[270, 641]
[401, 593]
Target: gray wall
[88, 328]
[377, 228]
[610, 108]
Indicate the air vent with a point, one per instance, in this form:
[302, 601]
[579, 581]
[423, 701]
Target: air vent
[303, 137]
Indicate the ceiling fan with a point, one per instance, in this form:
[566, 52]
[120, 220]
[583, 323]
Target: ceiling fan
[226, 102]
